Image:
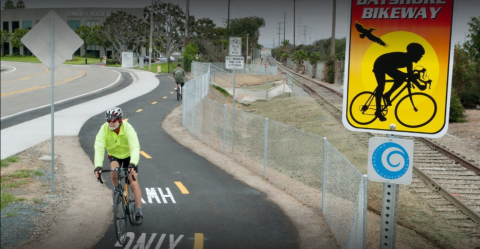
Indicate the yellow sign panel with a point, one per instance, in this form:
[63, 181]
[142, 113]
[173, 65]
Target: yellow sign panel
[398, 60]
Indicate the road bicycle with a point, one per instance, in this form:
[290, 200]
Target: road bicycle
[179, 92]
[123, 203]
[363, 106]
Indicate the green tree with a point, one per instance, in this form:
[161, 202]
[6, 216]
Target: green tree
[5, 37]
[168, 26]
[100, 38]
[16, 38]
[191, 50]
[314, 59]
[20, 4]
[87, 35]
[9, 5]
[125, 31]
[473, 44]
[466, 78]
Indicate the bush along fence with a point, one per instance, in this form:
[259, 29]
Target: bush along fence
[305, 165]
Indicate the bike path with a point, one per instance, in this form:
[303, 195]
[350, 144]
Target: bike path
[218, 211]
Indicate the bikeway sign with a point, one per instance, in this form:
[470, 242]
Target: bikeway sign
[235, 46]
[398, 67]
[234, 62]
[390, 160]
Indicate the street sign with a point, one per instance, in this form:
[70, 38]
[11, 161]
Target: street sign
[235, 47]
[234, 62]
[390, 160]
[398, 68]
[65, 41]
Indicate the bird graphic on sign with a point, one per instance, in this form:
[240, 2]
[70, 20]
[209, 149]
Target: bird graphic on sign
[368, 33]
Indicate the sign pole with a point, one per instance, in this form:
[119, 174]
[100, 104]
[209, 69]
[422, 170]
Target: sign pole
[388, 227]
[233, 112]
[52, 100]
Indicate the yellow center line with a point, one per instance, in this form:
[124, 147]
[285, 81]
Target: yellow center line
[139, 110]
[27, 77]
[182, 188]
[39, 87]
[153, 103]
[145, 154]
[126, 119]
[198, 241]
[171, 92]
[165, 97]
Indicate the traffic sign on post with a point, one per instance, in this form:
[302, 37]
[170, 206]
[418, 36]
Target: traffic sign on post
[390, 160]
[234, 62]
[38, 40]
[398, 67]
[52, 41]
[235, 46]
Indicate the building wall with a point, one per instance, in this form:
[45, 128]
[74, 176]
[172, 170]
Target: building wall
[18, 18]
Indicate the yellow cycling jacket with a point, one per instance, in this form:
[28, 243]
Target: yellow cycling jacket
[121, 146]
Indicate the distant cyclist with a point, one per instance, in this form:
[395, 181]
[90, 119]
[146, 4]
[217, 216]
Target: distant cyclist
[123, 148]
[179, 75]
[389, 64]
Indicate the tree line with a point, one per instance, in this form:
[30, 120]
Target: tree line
[127, 33]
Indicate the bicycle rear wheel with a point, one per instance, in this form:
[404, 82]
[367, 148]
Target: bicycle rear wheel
[416, 116]
[119, 218]
[363, 107]
[132, 209]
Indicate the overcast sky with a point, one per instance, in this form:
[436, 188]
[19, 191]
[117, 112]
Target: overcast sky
[313, 17]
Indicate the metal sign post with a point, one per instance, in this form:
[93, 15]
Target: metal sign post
[234, 61]
[40, 40]
[390, 161]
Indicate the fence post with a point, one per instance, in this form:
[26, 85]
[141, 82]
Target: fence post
[194, 107]
[364, 211]
[184, 104]
[324, 177]
[224, 125]
[265, 150]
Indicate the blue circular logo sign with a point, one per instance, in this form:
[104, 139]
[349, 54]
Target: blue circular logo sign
[390, 160]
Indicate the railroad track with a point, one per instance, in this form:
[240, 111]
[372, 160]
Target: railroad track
[447, 181]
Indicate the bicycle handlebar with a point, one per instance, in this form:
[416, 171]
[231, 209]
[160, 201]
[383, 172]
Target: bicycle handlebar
[113, 170]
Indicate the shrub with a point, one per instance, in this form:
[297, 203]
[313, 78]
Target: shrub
[112, 62]
[330, 70]
[457, 112]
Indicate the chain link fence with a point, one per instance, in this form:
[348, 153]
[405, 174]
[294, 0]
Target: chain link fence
[304, 165]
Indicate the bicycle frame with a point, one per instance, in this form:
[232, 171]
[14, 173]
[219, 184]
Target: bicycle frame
[122, 173]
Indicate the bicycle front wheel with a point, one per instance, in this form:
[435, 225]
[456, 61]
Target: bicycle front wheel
[120, 218]
[418, 114]
[131, 207]
[363, 107]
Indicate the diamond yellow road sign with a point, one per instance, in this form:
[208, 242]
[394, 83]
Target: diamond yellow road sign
[398, 67]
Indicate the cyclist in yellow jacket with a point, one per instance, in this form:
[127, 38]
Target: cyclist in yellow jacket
[121, 141]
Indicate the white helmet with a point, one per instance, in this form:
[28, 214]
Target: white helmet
[115, 112]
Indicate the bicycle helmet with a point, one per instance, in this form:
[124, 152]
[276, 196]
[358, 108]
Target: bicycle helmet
[115, 112]
[415, 48]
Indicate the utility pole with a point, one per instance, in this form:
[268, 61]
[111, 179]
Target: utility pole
[247, 48]
[305, 34]
[274, 42]
[284, 18]
[294, 25]
[228, 21]
[186, 22]
[150, 47]
[279, 28]
[332, 51]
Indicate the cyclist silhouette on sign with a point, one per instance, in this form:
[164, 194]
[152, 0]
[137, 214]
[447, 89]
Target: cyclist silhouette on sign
[389, 64]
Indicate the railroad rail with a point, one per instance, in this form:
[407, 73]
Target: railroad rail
[449, 182]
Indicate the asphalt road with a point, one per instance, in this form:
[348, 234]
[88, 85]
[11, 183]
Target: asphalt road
[217, 212]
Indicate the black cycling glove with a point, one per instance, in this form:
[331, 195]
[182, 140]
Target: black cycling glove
[97, 169]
